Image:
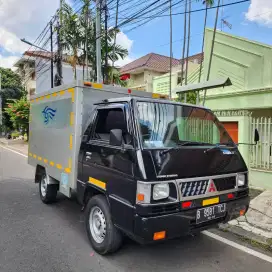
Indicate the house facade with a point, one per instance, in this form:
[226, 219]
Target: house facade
[247, 104]
[141, 72]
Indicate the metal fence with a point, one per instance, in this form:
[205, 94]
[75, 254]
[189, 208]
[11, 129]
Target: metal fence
[261, 154]
[199, 130]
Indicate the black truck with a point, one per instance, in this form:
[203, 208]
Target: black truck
[151, 169]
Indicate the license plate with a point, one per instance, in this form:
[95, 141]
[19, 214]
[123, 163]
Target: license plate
[210, 213]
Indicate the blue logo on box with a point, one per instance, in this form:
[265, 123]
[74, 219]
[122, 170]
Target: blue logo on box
[48, 114]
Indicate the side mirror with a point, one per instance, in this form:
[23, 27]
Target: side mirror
[116, 138]
[256, 136]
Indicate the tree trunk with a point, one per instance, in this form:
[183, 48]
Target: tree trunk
[212, 48]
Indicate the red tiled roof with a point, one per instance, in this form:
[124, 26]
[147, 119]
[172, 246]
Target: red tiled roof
[42, 54]
[150, 61]
[156, 62]
[198, 57]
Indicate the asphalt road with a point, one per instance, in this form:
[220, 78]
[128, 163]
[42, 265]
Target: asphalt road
[37, 237]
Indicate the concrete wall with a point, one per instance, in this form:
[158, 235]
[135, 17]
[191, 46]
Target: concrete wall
[144, 79]
[161, 83]
[43, 74]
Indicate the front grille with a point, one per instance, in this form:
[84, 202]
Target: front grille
[194, 188]
[197, 188]
[223, 184]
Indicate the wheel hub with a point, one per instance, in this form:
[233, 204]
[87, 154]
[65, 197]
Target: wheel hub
[97, 223]
[43, 186]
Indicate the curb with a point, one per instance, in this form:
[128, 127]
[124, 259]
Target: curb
[253, 238]
[13, 148]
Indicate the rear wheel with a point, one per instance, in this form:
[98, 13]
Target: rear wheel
[48, 192]
[103, 235]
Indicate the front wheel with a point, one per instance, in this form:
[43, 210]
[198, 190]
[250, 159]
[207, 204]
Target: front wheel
[104, 236]
[48, 192]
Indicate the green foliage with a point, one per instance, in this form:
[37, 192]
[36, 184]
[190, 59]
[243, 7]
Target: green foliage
[11, 89]
[191, 98]
[18, 111]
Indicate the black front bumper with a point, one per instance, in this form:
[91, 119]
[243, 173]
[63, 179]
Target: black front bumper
[182, 223]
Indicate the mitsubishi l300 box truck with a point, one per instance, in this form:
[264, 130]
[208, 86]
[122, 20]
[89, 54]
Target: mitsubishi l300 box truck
[151, 169]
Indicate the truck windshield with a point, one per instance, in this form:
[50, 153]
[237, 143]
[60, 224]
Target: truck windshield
[165, 125]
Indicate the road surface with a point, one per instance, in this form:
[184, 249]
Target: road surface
[39, 237]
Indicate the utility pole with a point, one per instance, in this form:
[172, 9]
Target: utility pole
[184, 42]
[52, 61]
[86, 41]
[98, 41]
[171, 38]
[212, 48]
[114, 43]
[58, 76]
[106, 38]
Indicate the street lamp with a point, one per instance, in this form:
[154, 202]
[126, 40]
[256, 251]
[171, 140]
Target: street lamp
[31, 44]
[51, 52]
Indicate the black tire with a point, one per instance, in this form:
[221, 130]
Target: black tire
[113, 238]
[51, 191]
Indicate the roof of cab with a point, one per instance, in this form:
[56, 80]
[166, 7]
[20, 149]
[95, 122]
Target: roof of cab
[152, 100]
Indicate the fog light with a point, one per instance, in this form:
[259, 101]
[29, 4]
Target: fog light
[242, 212]
[159, 235]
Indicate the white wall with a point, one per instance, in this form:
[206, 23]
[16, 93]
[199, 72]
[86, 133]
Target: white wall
[43, 74]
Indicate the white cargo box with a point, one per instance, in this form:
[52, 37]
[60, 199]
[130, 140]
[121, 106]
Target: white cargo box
[57, 120]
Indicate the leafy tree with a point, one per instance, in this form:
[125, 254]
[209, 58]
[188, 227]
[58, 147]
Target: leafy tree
[11, 89]
[18, 111]
[75, 28]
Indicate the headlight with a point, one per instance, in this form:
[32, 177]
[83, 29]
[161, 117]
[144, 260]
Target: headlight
[160, 191]
[241, 180]
[143, 193]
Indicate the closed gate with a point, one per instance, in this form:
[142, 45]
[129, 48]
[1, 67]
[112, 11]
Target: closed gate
[261, 154]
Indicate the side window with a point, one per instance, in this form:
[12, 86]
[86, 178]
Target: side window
[108, 119]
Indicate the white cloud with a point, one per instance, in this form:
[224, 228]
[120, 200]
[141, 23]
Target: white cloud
[125, 61]
[11, 42]
[123, 40]
[260, 11]
[7, 62]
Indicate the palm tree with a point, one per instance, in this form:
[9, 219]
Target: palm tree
[75, 28]
[207, 3]
[71, 35]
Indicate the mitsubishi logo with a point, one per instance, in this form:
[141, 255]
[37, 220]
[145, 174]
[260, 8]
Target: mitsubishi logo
[211, 187]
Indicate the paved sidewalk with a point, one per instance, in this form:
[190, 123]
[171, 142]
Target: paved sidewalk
[17, 145]
[256, 225]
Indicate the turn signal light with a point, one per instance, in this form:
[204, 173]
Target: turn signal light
[87, 83]
[230, 196]
[140, 197]
[186, 204]
[159, 235]
[242, 212]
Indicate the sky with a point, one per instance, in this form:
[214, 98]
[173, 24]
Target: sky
[27, 18]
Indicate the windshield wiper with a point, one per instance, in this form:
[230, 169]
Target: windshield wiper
[219, 146]
[177, 147]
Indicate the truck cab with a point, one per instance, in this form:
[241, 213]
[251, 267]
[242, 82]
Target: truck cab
[156, 169]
